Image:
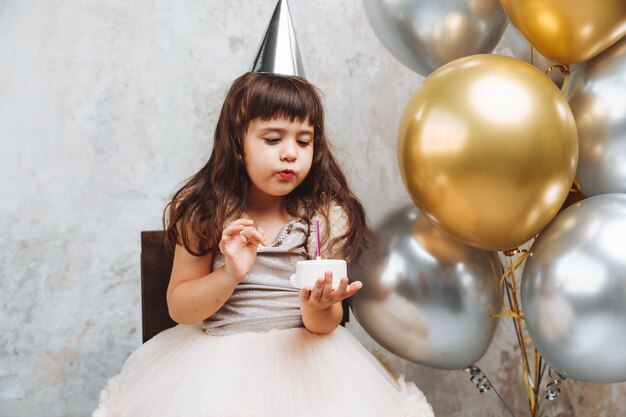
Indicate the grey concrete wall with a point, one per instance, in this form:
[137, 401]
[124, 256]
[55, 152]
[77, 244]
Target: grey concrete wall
[105, 106]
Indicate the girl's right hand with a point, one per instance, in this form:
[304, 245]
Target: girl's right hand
[239, 244]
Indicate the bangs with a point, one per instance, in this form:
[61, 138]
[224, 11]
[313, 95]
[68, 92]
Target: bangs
[274, 95]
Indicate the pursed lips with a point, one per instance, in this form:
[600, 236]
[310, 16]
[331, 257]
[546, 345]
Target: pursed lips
[287, 173]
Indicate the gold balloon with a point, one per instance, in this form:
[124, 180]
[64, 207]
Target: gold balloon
[568, 31]
[488, 148]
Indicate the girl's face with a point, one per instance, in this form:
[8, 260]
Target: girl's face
[277, 154]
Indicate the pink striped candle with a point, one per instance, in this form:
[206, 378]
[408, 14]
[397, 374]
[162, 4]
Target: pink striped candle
[317, 233]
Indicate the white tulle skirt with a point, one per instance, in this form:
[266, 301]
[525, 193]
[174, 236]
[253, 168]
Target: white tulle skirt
[183, 372]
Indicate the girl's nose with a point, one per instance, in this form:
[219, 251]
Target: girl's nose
[288, 152]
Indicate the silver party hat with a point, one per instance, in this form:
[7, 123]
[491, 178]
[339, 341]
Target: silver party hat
[279, 53]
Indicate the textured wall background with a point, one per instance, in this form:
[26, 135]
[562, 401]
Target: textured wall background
[105, 106]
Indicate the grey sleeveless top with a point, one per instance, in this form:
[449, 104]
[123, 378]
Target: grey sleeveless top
[264, 299]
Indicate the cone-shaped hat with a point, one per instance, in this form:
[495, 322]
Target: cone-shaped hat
[279, 53]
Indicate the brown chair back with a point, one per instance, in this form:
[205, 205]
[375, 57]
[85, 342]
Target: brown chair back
[156, 268]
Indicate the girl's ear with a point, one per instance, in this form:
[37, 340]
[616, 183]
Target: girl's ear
[239, 157]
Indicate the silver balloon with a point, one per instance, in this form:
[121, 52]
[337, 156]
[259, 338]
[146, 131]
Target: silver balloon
[522, 49]
[425, 34]
[574, 290]
[596, 93]
[426, 297]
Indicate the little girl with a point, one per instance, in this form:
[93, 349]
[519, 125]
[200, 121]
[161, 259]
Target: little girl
[248, 343]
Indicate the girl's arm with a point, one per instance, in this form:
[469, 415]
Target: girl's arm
[194, 292]
[321, 307]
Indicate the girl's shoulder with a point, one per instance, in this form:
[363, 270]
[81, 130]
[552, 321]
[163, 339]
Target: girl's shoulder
[337, 218]
[333, 226]
[333, 219]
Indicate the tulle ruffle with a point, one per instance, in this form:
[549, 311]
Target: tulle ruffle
[183, 372]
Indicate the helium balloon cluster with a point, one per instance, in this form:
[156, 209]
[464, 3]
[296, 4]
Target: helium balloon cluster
[488, 148]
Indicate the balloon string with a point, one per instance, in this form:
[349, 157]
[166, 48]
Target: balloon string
[516, 263]
[478, 378]
[511, 292]
[509, 313]
[540, 369]
[537, 381]
[564, 68]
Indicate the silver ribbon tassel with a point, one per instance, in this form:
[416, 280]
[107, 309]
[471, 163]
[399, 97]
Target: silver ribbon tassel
[482, 383]
[554, 386]
[479, 379]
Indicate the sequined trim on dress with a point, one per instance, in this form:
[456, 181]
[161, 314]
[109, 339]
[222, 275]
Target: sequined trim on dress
[279, 240]
[285, 231]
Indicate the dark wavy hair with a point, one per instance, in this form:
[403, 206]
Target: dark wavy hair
[219, 191]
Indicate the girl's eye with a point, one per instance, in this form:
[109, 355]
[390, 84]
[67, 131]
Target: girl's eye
[272, 141]
[304, 143]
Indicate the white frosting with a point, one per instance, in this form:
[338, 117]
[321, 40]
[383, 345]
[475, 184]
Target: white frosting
[308, 271]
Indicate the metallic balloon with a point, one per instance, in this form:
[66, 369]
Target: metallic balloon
[426, 297]
[425, 34]
[526, 52]
[487, 148]
[568, 31]
[597, 96]
[574, 290]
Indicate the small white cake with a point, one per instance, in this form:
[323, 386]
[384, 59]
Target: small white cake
[308, 271]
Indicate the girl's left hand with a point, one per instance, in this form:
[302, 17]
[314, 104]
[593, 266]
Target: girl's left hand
[322, 296]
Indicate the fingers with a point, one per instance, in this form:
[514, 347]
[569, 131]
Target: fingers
[316, 292]
[323, 296]
[341, 291]
[345, 291]
[322, 291]
[236, 227]
[245, 230]
[305, 293]
[353, 288]
[252, 235]
[323, 288]
[327, 286]
[233, 230]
